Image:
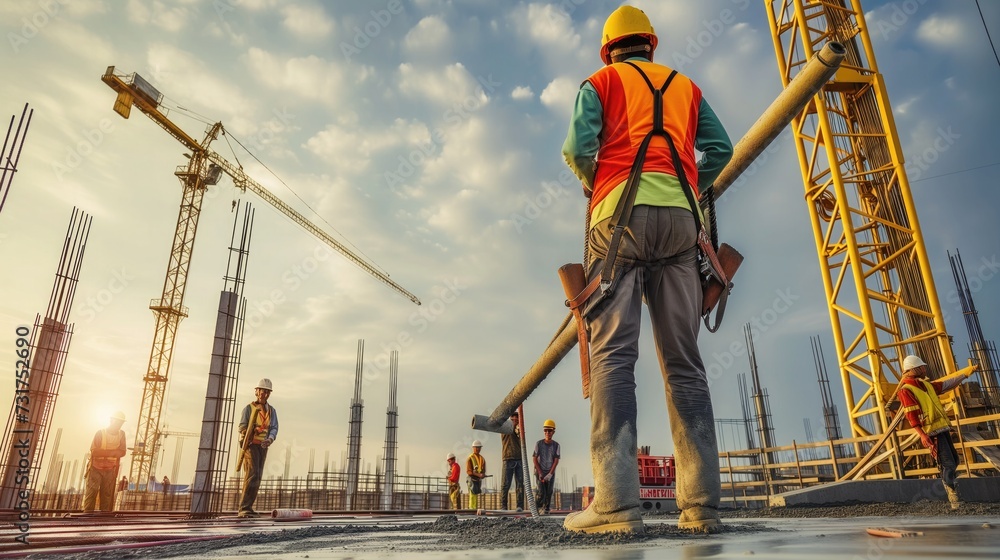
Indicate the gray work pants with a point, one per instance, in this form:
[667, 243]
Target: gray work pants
[673, 294]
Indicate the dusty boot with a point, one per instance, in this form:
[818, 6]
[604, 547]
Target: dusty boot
[953, 500]
[700, 519]
[587, 521]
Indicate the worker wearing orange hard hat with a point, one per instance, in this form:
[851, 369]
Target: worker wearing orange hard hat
[258, 429]
[106, 450]
[632, 139]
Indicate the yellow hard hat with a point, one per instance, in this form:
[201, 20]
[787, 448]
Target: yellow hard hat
[625, 21]
[550, 423]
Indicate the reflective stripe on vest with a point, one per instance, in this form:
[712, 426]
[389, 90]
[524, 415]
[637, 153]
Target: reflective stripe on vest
[107, 443]
[477, 463]
[263, 424]
[627, 107]
[933, 418]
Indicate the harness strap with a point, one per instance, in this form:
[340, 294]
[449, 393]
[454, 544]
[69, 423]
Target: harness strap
[623, 211]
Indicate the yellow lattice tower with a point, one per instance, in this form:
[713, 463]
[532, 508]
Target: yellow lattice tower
[877, 278]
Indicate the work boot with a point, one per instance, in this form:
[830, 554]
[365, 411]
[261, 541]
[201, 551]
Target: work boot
[953, 500]
[700, 520]
[248, 514]
[588, 521]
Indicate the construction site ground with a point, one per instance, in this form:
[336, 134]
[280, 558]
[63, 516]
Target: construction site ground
[808, 533]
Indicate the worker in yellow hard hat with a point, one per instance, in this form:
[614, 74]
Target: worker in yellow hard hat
[638, 167]
[106, 450]
[546, 458]
[258, 429]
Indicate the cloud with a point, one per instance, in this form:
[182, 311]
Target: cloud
[348, 144]
[522, 93]
[429, 34]
[77, 40]
[942, 31]
[310, 22]
[309, 77]
[183, 76]
[560, 94]
[451, 85]
[171, 18]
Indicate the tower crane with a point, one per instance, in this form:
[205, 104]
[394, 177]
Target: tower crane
[205, 167]
[877, 277]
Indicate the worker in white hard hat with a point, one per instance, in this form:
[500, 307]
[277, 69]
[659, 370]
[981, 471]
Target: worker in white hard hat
[258, 428]
[475, 468]
[106, 450]
[546, 458]
[454, 474]
[920, 402]
[638, 166]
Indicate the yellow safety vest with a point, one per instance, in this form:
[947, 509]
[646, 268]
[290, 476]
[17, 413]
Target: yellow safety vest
[933, 418]
[478, 462]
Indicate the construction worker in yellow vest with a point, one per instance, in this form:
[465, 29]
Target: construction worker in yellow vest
[925, 413]
[106, 451]
[262, 420]
[475, 468]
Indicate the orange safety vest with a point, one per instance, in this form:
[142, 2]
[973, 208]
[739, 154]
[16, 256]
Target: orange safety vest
[263, 423]
[107, 442]
[627, 106]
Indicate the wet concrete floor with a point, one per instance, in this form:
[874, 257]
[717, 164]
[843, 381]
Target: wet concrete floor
[804, 539]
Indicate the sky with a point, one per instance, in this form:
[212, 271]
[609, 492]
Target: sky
[428, 134]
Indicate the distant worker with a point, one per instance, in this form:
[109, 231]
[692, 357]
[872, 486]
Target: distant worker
[454, 475]
[655, 263]
[512, 466]
[925, 413]
[106, 451]
[166, 484]
[475, 468]
[546, 458]
[262, 420]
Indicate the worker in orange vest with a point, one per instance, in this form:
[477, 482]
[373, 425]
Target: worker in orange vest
[264, 429]
[106, 451]
[638, 168]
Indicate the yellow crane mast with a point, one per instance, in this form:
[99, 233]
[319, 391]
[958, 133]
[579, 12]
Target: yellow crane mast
[881, 295]
[204, 169]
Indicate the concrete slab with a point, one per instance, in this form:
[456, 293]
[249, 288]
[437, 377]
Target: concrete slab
[801, 539]
[893, 491]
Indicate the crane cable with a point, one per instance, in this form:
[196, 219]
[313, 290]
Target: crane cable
[986, 27]
[344, 237]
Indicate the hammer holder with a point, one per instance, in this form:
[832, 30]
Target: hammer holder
[574, 281]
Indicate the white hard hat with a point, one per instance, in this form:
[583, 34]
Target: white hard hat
[264, 383]
[477, 443]
[118, 416]
[912, 362]
[450, 456]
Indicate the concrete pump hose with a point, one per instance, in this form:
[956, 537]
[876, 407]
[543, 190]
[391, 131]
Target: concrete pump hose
[789, 103]
[291, 514]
